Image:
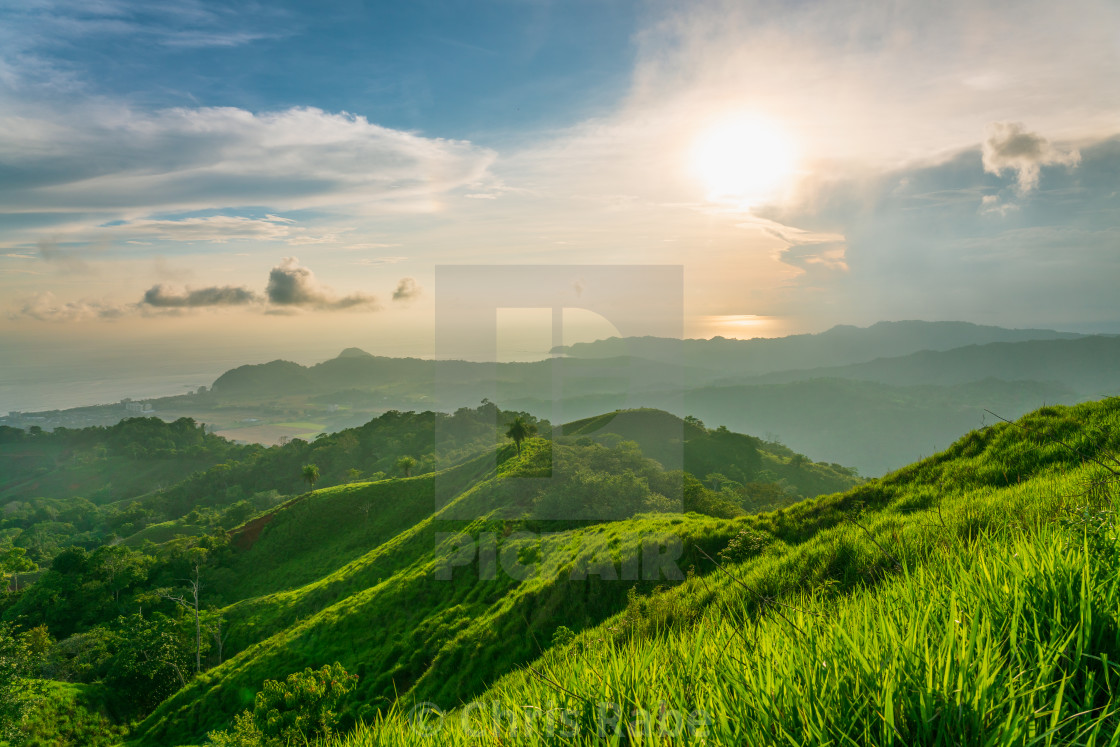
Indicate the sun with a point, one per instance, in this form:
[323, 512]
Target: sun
[744, 160]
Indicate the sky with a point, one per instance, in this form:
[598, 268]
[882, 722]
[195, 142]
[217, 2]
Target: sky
[185, 185]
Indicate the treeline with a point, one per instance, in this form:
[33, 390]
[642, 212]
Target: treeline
[136, 438]
[204, 480]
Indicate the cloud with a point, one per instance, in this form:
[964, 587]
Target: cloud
[1009, 147]
[805, 250]
[991, 205]
[159, 296]
[124, 162]
[291, 284]
[370, 245]
[407, 290]
[46, 308]
[216, 229]
[929, 252]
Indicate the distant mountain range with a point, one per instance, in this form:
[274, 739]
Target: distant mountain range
[841, 345]
[876, 397]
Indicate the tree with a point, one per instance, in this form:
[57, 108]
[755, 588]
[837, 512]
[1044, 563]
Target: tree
[17, 689]
[311, 474]
[519, 430]
[14, 561]
[120, 568]
[405, 465]
[191, 605]
[150, 662]
[220, 634]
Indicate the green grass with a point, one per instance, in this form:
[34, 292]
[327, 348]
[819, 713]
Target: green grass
[312, 536]
[386, 616]
[947, 603]
[983, 612]
[165, 532]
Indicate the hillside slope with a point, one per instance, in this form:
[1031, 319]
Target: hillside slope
[969, 598]
[423, 623]
[827, 565]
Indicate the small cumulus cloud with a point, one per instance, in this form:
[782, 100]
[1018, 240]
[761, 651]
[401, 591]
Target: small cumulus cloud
[290, 284]
[1009, 147]
[407, 290]
[160, 296]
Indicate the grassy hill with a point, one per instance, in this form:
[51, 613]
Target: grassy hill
[420, 623]
[972, 593]
[862, 613]
[971, 598]
[305, 579]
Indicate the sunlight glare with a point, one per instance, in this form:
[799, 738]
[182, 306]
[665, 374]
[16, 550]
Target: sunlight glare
[745, 160]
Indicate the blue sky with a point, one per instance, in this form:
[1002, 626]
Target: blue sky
[272, 175]
[477, 70]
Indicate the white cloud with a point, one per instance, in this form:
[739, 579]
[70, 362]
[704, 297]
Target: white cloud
[120, 161]
[1009, 147]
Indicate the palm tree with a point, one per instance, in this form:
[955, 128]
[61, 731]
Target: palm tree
[519, 430]
[310, 474]
[405, 465]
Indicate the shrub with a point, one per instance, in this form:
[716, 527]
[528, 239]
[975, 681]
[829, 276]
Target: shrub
[298, 710]
[745, 545]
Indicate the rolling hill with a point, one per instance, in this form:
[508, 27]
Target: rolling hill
[850, 574]
[590, 569]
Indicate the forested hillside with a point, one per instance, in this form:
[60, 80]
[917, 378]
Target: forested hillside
[293, 548]
[967, 594]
